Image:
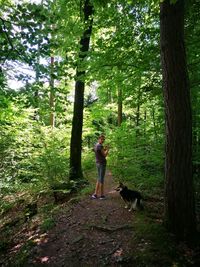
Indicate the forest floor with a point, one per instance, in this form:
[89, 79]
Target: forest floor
[94, 232]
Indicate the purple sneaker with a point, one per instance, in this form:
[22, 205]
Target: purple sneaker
[102, 197]
[94, 196]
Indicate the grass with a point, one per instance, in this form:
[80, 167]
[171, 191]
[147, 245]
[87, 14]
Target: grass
[47, 224]
[154, 245]
[5, 206]
[22, 256]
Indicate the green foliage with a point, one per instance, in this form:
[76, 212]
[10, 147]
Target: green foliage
[53, 160]
[136, 159]
[154, 239]
[47, 224]
[21, 257]
[29, 152]
[192, 32]
[5, 206]
[124, 54]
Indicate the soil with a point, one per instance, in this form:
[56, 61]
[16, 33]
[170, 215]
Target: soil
[93, 232]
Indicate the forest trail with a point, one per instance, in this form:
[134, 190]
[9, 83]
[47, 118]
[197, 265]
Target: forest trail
[92, 233]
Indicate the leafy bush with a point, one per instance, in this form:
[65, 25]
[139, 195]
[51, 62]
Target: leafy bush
[134, 158]
[29, 152]
[53, 160]
[47, 224]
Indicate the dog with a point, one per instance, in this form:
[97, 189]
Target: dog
[131, 198]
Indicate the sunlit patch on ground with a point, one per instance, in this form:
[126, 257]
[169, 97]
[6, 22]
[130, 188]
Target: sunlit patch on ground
[44, 259]
[112, 192]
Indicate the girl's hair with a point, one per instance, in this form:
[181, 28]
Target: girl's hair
[101, 136]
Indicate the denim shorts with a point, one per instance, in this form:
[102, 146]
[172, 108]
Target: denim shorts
[101, 169]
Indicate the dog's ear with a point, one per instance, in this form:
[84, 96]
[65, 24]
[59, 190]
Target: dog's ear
[118, 187]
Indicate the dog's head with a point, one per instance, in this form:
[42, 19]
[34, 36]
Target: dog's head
[120, 187]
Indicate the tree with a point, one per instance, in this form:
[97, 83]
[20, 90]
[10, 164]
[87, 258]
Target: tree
[77, 123]
[179, 198]
[120, 106]
[192, 31]
[52, 95]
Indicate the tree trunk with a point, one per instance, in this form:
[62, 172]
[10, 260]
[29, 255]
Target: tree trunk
[154, 122]
[179, 197]
[119, 107]
[37, 79]
[137, 123]
[52, 96]
[77, 123]
[109, 96]
[196, 135]
[36, 92]
[145, 122]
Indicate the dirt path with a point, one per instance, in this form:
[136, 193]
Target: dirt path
[93, 233]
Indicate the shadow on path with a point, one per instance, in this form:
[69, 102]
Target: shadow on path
[92, 233]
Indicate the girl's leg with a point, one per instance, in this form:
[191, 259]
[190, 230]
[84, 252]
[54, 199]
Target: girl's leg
[97, 188]
[101, 189]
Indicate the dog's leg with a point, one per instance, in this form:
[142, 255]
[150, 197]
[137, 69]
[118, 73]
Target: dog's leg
[133, 205]
[140, 205]
[126, 204]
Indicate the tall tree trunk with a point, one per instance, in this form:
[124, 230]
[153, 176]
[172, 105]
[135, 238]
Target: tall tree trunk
[196, 136]
[145, 122]
[77, 123]
[52, 95]
[109, 96]
[36, 92]
[137, 123]
[179, 197]
[37, 79]
[154, 122]
[119, 107]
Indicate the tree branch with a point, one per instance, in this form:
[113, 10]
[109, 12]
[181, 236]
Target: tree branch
[4, 30]
[110, 229]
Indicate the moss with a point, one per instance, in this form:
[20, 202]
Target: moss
[47, 224]
[156, 247]
[22, 256]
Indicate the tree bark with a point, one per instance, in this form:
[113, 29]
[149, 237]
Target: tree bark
[77, 122]
[52, 95]
[179, 197]
[120, 106]
[154, 122]
[137, 122]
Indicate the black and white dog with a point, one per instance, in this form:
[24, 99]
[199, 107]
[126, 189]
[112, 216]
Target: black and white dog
[131, 198]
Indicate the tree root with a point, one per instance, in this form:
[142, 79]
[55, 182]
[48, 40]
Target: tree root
[110, 229]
